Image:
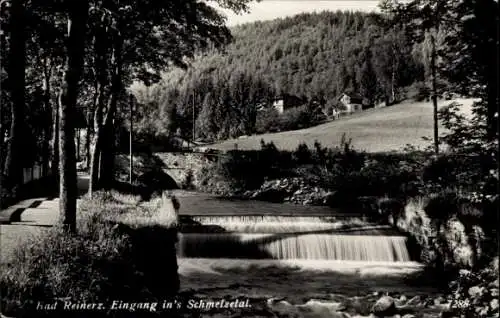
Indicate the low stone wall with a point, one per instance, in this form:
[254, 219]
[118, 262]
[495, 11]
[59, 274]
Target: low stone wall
[184, 168]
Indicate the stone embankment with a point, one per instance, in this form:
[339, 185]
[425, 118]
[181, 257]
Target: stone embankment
[291, 190]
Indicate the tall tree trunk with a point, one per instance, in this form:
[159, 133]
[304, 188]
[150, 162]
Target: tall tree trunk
[101, 81]
[77, 22]
[3, 114]
[55, 141]
[106, 176]
[88, 139]
[16, 74]
[434, 92]
[95, 147]
[48, 114]
[94, 165]
[393, 84]
[78, 144]
[2, 144]
[107, 139]
[394, 66]
[107, 152]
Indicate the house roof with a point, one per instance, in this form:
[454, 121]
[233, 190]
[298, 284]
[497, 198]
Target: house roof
[357, 99]
[286, 95]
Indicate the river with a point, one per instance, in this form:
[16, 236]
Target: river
[297, 260]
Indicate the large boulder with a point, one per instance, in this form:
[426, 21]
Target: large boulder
[458, 243]
[385, 306]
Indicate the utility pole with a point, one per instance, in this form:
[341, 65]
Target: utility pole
[131, 101]
[434, 93]
[194, 119]
[78, 144]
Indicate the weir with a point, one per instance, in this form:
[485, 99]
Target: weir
[267, 224]
[289, 238]
[282, 247]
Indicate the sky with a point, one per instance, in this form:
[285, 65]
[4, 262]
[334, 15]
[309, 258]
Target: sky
[272, 9]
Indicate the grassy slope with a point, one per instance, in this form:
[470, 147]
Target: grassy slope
[375, 130]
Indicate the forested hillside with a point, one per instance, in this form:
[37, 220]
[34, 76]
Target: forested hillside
[313, 56]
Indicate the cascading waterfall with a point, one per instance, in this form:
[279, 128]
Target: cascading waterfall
[288, 237]
[215, 219]
[291, 246]
[274, 224]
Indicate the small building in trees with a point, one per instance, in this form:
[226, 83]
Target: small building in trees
[352, 103]
[284, 102]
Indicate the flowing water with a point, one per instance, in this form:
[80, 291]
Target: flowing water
[264, 250]
[267, 223]
[291, 246]
[283, 237]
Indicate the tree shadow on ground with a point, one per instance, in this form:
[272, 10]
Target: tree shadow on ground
[154, 253]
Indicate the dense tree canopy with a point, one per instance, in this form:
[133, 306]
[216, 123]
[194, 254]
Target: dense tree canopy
[313, 56]
[60, 64]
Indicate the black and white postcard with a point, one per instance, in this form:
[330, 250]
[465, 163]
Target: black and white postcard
[240, 158]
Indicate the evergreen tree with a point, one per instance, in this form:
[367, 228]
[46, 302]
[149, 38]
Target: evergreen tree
[368, 78]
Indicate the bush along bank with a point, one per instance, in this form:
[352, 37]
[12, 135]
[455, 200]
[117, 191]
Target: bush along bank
[317, 176]
[113, 257]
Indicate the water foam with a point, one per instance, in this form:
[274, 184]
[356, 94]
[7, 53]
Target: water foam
[295, 246]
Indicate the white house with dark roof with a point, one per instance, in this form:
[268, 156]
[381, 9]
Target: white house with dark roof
[352, 103]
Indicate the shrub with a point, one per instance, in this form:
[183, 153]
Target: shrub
[88, 267]
[471, 147]
[475, 294]
[296, 118]
[187, 183]
[237, 170]
[267, 121]
[245, 170]
[374, 179]
[302, 155]
[249, 169]
[418, 91]
[100, 263]
[7, 197]
[270, 120]
[448, 171]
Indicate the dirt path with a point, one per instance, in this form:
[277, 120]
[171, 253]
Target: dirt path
[32, 218]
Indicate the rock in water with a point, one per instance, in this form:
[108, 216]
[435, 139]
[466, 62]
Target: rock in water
[414, 302]
[331, 306]
[385, 306]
